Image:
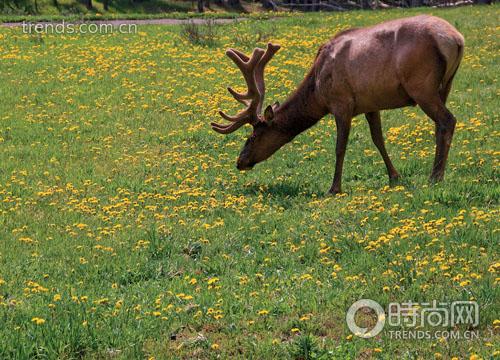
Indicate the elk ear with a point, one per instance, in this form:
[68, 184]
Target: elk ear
[269, 114]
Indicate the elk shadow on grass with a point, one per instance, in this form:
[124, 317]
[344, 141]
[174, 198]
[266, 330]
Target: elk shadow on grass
[281, 190]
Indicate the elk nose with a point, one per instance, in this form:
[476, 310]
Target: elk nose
[242, 166]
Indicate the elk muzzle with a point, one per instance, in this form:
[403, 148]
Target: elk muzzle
[243, 165]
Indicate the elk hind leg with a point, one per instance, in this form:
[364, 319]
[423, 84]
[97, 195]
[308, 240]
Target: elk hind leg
[445, 126]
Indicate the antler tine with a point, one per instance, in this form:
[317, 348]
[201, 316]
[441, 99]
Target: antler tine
[242, 98]
[241, 55]
[226, 129]
[259, 70]
[242, 114]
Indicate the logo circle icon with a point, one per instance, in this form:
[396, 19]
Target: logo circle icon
[362, 332]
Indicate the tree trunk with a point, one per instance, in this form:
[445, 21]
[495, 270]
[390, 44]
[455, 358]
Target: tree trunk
[105, 4]
[269, 5]
[88, 4]
[234, 3]
[200, 6]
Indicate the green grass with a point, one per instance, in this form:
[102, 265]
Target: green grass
[127, 232]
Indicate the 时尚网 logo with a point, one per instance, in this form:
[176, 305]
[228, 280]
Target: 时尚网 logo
[409, 316]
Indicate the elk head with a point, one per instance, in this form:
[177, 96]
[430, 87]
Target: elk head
[266, 138]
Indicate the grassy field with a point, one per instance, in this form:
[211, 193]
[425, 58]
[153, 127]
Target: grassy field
[127, 232]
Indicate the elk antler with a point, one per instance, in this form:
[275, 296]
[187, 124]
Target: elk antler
[253, 72]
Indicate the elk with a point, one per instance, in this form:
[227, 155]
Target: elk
[404, 62]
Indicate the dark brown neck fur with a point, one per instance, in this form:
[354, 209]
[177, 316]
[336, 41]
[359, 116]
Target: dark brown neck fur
[301, 109]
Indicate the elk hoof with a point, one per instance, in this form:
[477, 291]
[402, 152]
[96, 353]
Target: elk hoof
[434, 179]
[394, 180]
[333, 192]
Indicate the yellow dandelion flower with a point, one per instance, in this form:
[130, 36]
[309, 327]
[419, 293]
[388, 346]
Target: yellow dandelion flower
[38, 321]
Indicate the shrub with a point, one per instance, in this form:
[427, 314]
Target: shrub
[200, 34]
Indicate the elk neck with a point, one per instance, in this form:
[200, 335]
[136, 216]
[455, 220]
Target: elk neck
[301, 109]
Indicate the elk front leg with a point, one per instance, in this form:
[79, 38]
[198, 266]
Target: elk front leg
[343, 128]
[378, 139]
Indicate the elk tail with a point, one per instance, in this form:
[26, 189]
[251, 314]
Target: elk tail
[451, 49]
